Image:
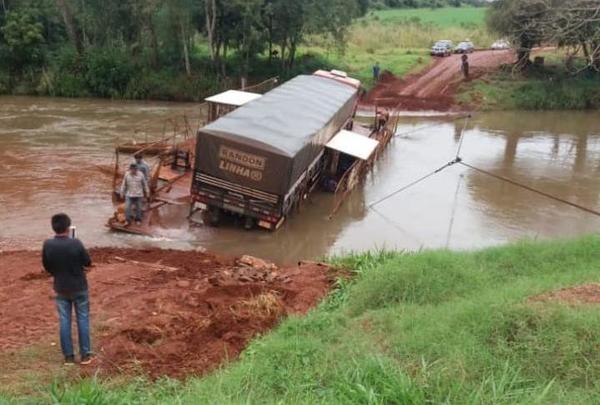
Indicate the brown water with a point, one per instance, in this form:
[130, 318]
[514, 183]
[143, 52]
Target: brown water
[50, 150]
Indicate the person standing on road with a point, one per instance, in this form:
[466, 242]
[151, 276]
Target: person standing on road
[66, 259]
[134, 188]
[465, 66]
[376, 71]
[142, 166]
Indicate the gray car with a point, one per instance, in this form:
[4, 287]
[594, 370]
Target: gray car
[465, 47]
[442, 48]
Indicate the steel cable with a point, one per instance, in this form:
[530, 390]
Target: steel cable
[424, 127]
[414, 183]
[529, 188]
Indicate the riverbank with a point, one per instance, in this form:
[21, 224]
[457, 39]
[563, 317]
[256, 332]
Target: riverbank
[514, 324]
[547, 88]
[155, 312]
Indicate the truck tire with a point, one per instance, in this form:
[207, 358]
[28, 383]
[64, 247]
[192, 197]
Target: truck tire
[212, 216]
[249, 223]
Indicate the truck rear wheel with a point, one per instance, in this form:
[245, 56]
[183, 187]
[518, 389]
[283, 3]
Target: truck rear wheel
[213, 216]
[249, 223]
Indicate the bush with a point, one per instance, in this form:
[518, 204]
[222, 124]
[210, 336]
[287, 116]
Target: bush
[108, 71]
[4, 82]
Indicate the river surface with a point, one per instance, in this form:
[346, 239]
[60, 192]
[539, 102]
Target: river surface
[52, 152]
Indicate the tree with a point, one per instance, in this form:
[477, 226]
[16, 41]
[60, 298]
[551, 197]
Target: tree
[576, 25]
[521, 21]
[72, 28]
[23, 37]
[182, 14]
[246, 33]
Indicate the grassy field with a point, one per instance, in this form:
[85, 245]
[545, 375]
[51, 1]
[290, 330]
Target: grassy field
[543, 88]
[446, 17]
[430, 327]
[358, 60]
[399, 39]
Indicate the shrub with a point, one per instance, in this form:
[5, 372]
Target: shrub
[108, 71]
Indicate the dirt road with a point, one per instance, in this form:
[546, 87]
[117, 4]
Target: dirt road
[433, 88]
[158, 312]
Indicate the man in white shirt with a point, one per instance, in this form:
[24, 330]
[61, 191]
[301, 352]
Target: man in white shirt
[134, 188]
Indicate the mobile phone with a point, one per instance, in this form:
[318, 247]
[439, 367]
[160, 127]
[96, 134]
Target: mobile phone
[72, 231]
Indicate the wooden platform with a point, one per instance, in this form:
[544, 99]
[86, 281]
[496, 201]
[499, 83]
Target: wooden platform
[174, 189]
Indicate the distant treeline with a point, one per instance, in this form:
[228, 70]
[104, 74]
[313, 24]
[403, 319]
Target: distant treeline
[380, 4]
[158, 49]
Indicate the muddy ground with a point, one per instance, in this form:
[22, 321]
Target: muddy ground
[433, 88]
[583, 294]
[159, 312]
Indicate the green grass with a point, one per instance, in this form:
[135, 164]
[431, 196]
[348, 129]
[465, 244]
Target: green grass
[399, 39]
[430, 327]
[445, 17]
[549, 89]
[358, 60]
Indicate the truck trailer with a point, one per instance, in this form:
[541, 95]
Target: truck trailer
[261, 160]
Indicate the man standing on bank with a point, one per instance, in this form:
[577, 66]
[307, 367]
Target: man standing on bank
[134, 188]
[67, 260]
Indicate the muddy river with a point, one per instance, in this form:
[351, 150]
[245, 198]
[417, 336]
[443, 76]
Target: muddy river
[54, 152]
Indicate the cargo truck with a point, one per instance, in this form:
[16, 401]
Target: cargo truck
[261, 160]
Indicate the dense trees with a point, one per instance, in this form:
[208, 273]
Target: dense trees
[573, 25]
[112, 47]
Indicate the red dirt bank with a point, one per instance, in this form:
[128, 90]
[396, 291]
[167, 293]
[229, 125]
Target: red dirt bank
[160, 312]
[434, 88]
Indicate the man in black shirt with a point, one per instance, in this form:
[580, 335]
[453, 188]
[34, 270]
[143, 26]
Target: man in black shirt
[66, 259]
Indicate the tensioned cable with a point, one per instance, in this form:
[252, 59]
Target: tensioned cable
[462, 137]
[457, 159]
[424, 127]
[452, 216]
[534, 190]
[393, 224]
[414, 183]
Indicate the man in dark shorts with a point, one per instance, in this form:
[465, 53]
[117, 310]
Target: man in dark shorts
[376, 71]
[66, 259]
[465, 66]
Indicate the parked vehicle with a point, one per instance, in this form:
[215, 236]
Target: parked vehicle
[464, 47]
[261, 160]
[501, 44]
[442, 48]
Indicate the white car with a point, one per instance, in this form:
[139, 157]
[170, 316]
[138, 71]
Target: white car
[501, 44]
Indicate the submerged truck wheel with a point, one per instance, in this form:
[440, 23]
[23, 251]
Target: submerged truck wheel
[212, 216]
[249, 223]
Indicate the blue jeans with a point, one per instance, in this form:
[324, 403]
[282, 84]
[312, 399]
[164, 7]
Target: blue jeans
[131, 202]
[65, 304]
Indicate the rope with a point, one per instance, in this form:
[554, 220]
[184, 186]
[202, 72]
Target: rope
[462, 137]
[526, 187]
[414, 183]
[394, 224]
[424, 127]
[456, 160]
[452, 216]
